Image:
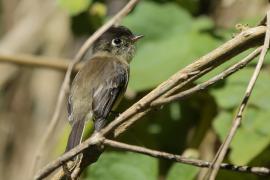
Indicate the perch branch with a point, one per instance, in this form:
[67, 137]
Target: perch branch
[184, 160]
[237, 120]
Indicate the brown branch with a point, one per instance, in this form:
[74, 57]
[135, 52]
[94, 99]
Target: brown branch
[237, 120]
[184, 160]
[210, 82]
[38, 61]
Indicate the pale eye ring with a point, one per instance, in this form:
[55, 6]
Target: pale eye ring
[116, 42]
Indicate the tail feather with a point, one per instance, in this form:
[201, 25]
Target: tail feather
[75, 136]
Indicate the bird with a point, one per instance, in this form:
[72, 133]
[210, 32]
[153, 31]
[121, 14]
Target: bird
[100, 84]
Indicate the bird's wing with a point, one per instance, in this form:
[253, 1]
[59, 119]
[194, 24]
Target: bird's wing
[108, 93]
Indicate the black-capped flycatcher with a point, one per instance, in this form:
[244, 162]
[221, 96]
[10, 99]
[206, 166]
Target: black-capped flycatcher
[100, 84]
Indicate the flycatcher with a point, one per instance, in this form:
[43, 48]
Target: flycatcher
[99, 86]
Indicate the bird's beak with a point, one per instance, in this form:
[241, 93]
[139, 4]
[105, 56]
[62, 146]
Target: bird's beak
[136, 37]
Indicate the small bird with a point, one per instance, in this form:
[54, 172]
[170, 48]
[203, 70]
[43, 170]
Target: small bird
[101, 83]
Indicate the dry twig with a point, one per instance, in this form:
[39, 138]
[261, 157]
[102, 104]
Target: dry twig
[237, 120]
[184, 160]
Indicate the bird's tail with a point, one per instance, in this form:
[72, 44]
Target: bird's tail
[75, 136]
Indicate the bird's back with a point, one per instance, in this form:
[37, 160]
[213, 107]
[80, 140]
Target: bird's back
[90, 80]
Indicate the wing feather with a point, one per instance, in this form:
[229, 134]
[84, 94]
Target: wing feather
[107, 93]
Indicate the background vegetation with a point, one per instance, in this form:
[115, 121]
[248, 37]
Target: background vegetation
[176, 33]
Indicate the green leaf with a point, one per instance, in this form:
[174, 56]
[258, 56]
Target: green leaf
[172, 41]
[182, 172]
[123, 166]
[74, 7]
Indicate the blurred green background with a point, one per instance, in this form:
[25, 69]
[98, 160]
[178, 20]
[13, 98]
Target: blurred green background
[177, 32]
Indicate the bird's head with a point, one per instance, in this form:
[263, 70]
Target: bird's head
[118, 41]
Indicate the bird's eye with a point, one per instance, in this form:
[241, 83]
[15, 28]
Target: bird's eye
[116, 42]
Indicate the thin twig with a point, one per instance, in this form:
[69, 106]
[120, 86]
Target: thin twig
[237, 120]
[38, 61]
[210, 82]
[65, 85]
[184, 160]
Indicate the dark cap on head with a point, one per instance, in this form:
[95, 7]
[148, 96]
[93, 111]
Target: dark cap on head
[118, 31]
[115, 32]
[117, 40]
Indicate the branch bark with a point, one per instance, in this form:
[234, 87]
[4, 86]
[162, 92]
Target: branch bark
[184, 160]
